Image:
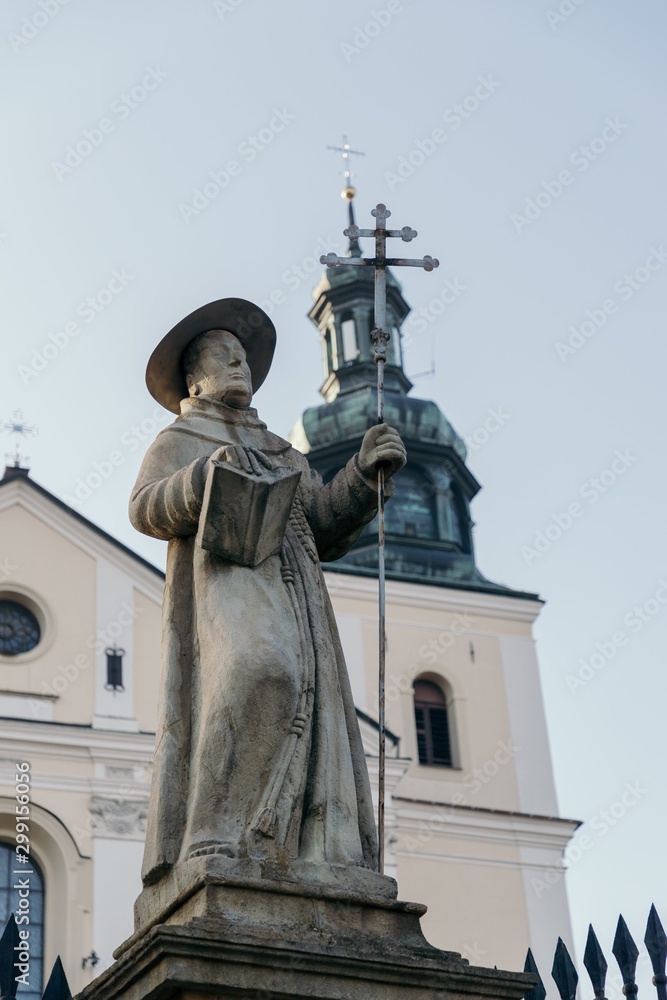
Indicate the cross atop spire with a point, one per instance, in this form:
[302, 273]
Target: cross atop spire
[346, 152]
[17, 425]
[349, 190]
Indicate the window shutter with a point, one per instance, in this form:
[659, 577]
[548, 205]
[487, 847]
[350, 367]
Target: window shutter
[439, 725]
[432, 725]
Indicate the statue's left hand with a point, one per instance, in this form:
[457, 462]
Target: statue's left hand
[382, 445]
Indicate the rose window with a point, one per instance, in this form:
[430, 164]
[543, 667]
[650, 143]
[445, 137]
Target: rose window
[19, 628]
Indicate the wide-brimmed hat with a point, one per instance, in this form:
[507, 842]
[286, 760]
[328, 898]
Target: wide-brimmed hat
[250, 324]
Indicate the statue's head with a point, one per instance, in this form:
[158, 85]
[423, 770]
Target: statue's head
[215, 365]
[222, 350]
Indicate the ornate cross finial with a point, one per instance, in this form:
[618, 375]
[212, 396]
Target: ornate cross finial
[348, 191]
[380, 262]
[17, 425]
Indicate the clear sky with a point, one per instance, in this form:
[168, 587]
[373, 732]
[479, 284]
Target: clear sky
[527, 146]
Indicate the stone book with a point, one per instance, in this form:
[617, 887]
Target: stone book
[244, 517]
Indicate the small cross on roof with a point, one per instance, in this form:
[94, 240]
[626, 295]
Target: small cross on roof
[18, 426]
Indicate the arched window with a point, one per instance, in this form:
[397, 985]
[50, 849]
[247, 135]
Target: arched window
[432, 722]
[328, 351]
[394, 348]
[9, 903]
[348, 330]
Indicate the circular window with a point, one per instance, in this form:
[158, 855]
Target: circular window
[19, 628]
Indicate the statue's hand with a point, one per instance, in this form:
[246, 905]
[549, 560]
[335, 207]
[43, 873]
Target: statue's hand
[250, 460]
[382, 445]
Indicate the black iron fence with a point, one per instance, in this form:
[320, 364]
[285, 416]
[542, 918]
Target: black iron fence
[625, 952]
[57, 987]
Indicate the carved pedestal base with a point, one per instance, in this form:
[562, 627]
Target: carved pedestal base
[222, 935]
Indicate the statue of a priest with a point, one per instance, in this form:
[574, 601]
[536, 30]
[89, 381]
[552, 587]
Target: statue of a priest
[258, 751]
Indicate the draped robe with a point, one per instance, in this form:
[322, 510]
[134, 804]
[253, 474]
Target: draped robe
[258, 751]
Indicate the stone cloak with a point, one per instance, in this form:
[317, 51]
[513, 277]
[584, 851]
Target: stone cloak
[258, 751]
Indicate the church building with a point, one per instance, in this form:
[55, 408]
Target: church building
[472, 825]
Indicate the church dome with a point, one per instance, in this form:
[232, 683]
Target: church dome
[350, 415]
[429, 536]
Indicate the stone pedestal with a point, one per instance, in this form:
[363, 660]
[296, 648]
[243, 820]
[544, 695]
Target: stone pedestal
[215, 928]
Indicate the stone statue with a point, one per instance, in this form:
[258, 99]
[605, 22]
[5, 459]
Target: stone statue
[258, 751]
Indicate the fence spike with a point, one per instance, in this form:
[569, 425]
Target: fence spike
[57, 987]
[656, 945]
[626, 954]
[596, 963]
[8, 942]
[538, 991]
[564, 973]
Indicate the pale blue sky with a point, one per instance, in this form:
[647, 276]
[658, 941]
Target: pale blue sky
[300, 70]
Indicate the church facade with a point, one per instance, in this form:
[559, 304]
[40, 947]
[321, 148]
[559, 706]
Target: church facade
[472, 821]
[79, 665]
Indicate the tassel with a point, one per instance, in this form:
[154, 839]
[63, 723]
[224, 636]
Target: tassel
[266, 822]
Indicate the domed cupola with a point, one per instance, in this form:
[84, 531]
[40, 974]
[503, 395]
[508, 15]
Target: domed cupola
[428, 523]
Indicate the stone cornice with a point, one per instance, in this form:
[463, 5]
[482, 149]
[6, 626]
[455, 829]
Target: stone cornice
[474, 859]
[442, 819]
[436, 598]
[21, 737]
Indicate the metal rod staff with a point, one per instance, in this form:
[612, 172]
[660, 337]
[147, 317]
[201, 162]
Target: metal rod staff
[380, 338]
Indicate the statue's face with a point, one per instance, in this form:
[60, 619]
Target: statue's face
[220, 370]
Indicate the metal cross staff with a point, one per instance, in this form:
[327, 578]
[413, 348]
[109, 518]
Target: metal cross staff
[380, 339]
